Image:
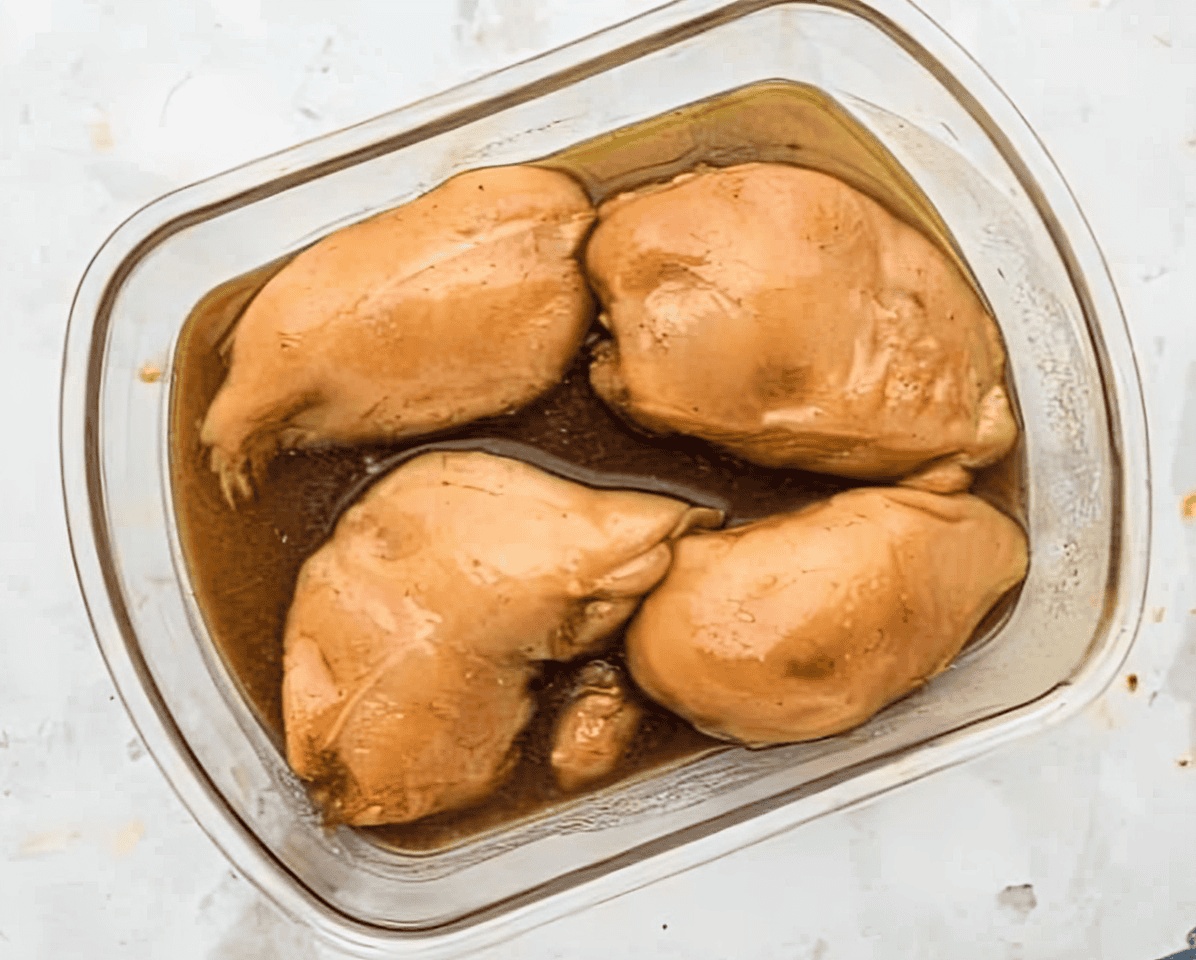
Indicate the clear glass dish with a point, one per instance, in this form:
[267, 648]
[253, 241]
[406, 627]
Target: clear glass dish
[1006, 212]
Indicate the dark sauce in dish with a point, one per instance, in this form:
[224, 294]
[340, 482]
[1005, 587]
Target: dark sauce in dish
[243, 564]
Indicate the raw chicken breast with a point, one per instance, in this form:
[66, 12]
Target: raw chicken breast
[805, 624]
[783, 315]
[416, 628]
[464, 303]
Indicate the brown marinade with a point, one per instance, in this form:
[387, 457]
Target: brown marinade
[243, 564]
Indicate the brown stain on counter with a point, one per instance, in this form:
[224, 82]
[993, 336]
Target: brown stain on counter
[243, 565]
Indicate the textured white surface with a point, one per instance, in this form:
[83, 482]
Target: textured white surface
[104, 106]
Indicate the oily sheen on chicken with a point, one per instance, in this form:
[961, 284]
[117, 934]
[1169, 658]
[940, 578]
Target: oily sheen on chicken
[595, 727]
[466, 302]
[805, 624]
[789, 318]
[417, 627]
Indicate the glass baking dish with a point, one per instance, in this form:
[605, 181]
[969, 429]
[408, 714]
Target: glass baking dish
[1005, 211]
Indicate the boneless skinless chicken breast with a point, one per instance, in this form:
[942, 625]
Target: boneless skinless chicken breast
[595, 726]
[785, 316]
[416, 628]
[466, 302]
[805, 624]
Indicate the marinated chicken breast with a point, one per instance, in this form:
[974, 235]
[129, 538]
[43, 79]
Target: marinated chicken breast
[805, 624]
[789, 318]
[595, 726]
[466, 302]
[416, 628]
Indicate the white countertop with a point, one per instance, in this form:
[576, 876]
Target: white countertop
[1074, 844]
